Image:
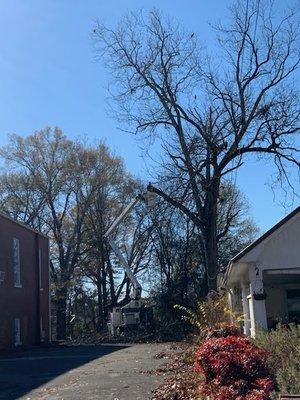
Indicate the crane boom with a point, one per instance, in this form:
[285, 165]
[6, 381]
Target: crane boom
[123, 214]
[137, 288]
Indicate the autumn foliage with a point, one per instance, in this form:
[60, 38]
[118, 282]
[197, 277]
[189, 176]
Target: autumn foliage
[233, 367]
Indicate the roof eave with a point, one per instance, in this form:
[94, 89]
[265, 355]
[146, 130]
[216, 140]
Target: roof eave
[24, 225]
[256, 242]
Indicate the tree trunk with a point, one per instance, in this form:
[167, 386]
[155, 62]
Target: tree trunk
[61, 303]
[211, 258]
[100, 305]
[111, 281]
[103, 281]
[210, 236]
[104, 295]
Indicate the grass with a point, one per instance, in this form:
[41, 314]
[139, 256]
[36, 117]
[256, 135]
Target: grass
[283, 345]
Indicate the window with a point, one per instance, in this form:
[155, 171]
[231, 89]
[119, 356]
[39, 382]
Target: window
[16, 262]
[40, 269]
[17, 331]
[293, 304]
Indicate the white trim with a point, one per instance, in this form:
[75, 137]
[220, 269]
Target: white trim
[257, 308]
[253, 253]
[246, 310]
[18, 285]
[289, 271]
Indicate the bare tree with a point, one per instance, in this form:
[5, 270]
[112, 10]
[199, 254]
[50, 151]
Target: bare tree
[178, 265]
[114, 187]
[20, 199]
[179, 247]
[208, 117]
[60, 184]
[73, 192]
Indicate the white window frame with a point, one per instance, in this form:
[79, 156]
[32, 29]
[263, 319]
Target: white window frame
[16, 263]
[17, 332]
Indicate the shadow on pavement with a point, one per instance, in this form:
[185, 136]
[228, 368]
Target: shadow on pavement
[19, 375]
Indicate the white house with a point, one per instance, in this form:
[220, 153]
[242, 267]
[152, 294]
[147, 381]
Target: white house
[264, 279]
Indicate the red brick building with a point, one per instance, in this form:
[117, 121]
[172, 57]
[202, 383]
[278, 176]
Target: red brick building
[24, 285]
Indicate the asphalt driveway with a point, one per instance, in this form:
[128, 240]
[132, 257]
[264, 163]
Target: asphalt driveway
[104, 372]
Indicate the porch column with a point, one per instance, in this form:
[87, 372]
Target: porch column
[246, 311]
[234, 298]
[257, 308]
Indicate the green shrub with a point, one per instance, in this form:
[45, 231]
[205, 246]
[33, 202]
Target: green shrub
[211, 313]
[283, 345]
[168, 324]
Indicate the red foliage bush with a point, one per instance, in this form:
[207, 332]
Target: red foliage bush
[234, 368]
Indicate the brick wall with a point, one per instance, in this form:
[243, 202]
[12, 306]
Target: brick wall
[30, 302]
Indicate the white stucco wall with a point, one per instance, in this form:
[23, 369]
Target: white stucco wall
[280, 250]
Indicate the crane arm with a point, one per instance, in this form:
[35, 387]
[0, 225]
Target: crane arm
[136, 285]
[123, 214]
[137, 288]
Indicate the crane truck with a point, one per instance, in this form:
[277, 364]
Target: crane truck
[128, 316]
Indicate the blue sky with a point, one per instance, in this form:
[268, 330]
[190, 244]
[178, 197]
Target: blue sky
[48, 78]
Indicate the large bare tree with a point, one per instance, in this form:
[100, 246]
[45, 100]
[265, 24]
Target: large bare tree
[209, 112]
[114, 189]
[73, 192]
[52, 173]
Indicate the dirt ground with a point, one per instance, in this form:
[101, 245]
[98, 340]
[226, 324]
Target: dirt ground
[102, 372]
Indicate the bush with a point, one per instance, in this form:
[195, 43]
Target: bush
[168, 324]
[233, 367]
[212, 313]
[229, 330]
[283, 346]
